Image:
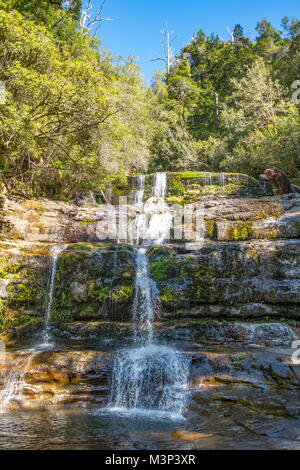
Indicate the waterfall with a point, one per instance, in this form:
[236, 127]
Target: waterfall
[223, 181]
[145, 300]
[15, 380]
[14, 383]
[139, 225]
[55, 252]
[151, 226]
[149, 378]
[140, 193]
[159, 188]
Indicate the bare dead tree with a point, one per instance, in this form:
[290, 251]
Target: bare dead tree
[167, 47]
[231, 34]
[90, 19]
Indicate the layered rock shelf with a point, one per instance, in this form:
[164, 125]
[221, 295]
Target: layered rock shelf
[247, 268]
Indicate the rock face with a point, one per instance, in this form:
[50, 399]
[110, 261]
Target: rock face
[226, 219]
[94, 281]
[187, 186]
[248, 265]
[44, 221]
[250, 279]
[254, 279]
[250, 383]
[279, 179]
[23, 284]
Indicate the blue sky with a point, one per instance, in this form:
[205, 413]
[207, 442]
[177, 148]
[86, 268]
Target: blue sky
[137, 25]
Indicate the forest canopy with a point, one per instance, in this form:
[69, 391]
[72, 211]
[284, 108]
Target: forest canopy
[77, 119]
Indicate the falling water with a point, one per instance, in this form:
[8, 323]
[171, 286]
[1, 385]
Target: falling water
[223, 181]
[55, 252]
[145, 301]
[139, 225]
[14, 382]
[140, 193]
[15, 379]
[159, 188]
[149, 378]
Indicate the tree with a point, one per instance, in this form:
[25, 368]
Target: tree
[92, 21]
[262, 128]
[70, 121]
[167, 47]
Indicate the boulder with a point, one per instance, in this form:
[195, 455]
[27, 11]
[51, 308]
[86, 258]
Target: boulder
[279, 179]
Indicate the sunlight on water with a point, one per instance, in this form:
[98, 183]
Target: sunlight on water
[149, 379]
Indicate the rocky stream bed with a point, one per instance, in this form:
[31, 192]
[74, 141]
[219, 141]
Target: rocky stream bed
[231, 308]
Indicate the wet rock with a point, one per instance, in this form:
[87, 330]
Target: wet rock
[281, 373]
[233, 280]
[279, 179]
[79, 291]
[189, 436]
[217, 332]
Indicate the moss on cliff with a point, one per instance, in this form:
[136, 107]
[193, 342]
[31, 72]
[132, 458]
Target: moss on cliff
[105, 275]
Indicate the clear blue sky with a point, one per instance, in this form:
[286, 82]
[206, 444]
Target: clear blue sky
[137, 25]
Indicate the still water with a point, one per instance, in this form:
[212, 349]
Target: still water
[91, 430]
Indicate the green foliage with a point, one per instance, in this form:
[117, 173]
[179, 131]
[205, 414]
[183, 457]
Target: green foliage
[231, 102]
[73, 120]
[10, 319]
[8, 269]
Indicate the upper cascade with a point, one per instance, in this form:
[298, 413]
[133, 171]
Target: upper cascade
[153, 222]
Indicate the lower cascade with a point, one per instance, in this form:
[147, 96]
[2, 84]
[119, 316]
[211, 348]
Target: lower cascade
[149, 378]
[55, 252]
[13, 391]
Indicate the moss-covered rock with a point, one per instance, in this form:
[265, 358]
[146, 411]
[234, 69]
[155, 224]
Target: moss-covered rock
[257, 278]
[186, 187]
[23, 286]
[94, 281]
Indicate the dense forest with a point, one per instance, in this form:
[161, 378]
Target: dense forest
[76, 118]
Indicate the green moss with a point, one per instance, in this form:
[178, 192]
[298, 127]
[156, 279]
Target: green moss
[9, 318]
[122, 293]
[60, 317]
[211, 229]
[202, 279]
[167, 296]
[162, 266]
[34, 205]
[177, 186]
[21, 294]
[175, 200]
[242, 231]
[189, 186]
[101, 292]
[297, 227]
[87, 221]
[9, 269]
[296, 181]
[159, 269]
[11, 321]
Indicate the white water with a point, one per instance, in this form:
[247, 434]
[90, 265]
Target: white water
[15, 379]
[145, 301]
[139, 225]
[14, 383]
[152, 224]
[55, 252]
[140, 193]
[149, 379]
